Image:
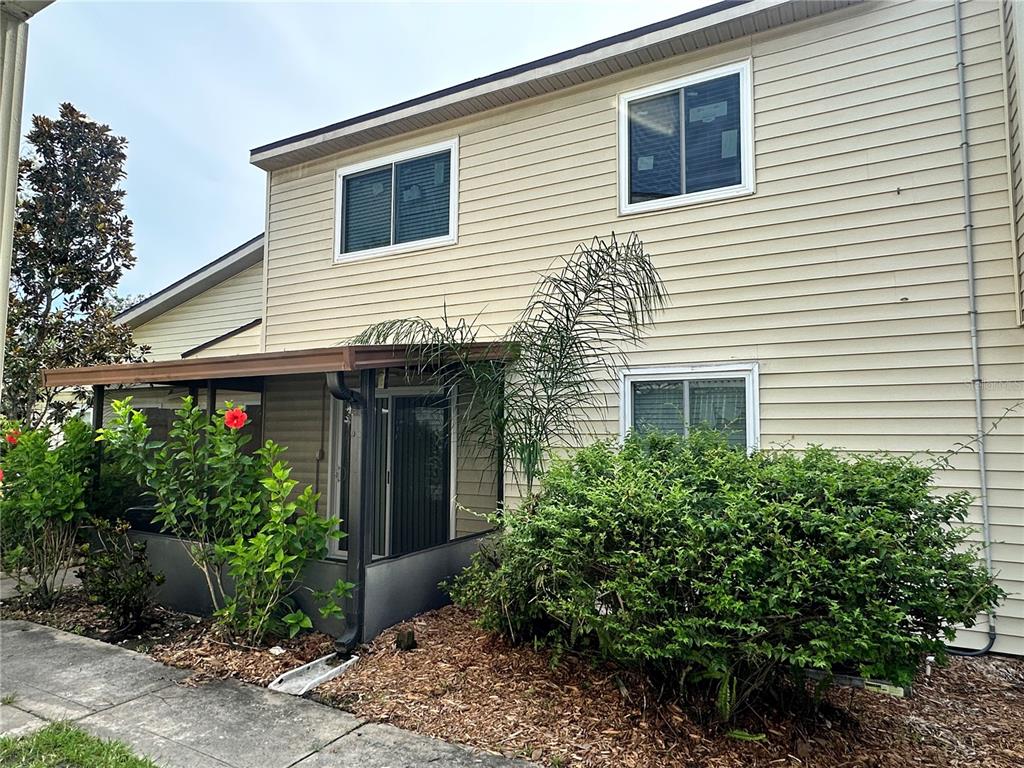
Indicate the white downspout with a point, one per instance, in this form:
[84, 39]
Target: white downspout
[972, 312]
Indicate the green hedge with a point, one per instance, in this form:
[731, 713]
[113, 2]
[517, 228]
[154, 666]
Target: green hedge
[701, 564]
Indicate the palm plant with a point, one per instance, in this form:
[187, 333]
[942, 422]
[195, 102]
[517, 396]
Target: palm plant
[573, 332]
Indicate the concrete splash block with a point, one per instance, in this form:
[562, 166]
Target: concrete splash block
[301, 680]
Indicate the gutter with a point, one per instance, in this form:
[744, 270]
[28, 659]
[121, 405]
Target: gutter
[972, 313]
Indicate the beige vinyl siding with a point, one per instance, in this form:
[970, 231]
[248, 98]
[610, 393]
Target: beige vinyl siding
[295, 415]
[476, 478]
[1013, 29]
[222, 308]
[844, 276]
[242, 343]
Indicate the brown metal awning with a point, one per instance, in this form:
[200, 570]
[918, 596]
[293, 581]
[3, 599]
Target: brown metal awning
[320, 360]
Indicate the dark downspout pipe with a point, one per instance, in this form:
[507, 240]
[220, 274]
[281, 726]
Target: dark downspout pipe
[211, 398]
[98, 397]
[360, 525]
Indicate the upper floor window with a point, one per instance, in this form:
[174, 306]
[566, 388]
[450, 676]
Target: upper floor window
[686, 141]
[401, 202]
[678, 399]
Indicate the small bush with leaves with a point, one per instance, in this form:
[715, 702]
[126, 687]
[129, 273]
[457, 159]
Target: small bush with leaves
[232, 512]
[115, 574]
[265, 567]
[43, 505]
[708, 567]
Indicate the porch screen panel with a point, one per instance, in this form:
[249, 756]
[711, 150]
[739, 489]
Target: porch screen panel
[366, 212]
[422, 196]
[380, 423]
[420, 473]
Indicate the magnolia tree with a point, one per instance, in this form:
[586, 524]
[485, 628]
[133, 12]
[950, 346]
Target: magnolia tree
[72, 244]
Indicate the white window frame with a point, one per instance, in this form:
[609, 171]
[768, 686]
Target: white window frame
[747, 185]
[451, 145]
[746, 371]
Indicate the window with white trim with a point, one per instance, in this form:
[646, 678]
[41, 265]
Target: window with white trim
[675, 400]
[397, 203]
[686, 141]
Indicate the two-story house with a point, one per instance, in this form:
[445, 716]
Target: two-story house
[832, 193]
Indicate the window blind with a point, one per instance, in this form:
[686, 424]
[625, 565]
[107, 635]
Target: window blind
[654, 148]
[422, 192]
[713, 134]
[366, 216]
[673, 407]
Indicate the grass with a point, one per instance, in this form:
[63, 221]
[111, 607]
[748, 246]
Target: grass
[8, 698]
[61, 746]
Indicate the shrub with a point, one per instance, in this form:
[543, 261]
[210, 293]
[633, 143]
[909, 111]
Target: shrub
[115, 574]
[702, 565]
[265, 567]
[43, 505]
[231, 511]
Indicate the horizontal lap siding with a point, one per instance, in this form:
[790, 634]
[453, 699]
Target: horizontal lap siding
[843, 276]
[475, 473]
[244, 343]
[295, 415]
[218, 310]
[1013, 25]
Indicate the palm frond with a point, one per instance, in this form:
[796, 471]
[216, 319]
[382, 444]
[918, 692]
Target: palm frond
[575, 328]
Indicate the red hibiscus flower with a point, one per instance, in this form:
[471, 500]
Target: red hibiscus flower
[1, 475]
[12, 436]
[235, 418]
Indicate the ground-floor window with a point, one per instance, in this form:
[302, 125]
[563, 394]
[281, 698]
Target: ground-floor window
[678, 398]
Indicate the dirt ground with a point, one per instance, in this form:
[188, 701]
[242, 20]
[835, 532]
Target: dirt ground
[463, 685]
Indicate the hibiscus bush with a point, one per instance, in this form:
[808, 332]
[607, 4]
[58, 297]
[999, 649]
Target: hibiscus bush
[720, 572]
[46, 479]
[233, 512]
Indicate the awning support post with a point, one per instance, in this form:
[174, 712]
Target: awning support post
[360, 523]
[98, 402]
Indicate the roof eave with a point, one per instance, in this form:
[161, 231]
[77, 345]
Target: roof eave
[717, 24]
[288, 362]
[248, 254]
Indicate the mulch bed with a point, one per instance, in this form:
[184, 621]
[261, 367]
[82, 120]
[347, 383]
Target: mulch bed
[463, 685]
[179, 640]
[74, 613]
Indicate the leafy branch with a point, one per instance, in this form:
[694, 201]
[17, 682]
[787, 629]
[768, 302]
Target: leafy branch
[528, 386]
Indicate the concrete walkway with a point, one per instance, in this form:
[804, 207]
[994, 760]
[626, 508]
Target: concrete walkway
[46, 675]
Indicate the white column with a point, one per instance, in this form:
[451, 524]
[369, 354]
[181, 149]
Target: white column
[13, 46]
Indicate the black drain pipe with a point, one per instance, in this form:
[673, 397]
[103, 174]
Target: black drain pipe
[360, 526]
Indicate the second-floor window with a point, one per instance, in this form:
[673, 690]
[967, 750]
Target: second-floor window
[685, 141]
[400, 202]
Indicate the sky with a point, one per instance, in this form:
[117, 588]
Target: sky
[194, 86]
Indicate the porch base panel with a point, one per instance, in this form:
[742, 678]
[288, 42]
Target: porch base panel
[396, 588]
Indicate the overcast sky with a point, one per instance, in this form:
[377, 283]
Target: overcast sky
[195, 86]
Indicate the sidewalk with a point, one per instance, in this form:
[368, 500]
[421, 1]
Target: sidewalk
[118, 694]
